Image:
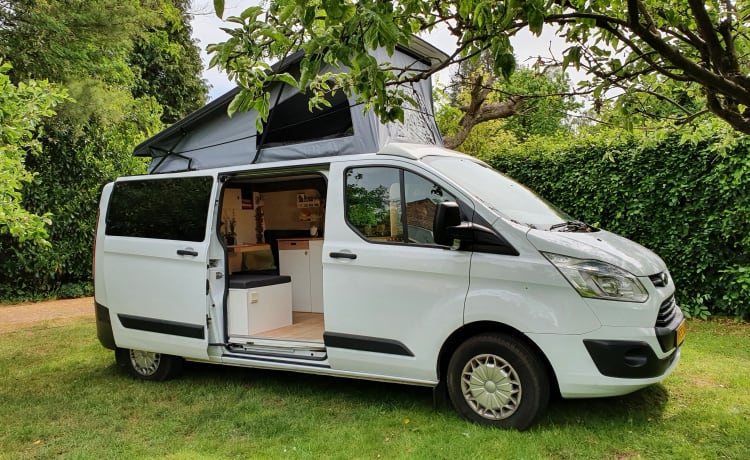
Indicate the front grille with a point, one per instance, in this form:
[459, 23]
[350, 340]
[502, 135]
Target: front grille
[667, 312]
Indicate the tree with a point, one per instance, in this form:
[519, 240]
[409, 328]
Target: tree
[704, 45]
[168, 66]
[22, 108]
[90, 49]
[531, 102]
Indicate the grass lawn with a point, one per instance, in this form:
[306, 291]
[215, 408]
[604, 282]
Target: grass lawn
[61, 395]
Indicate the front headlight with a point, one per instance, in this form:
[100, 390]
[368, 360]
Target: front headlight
[599, 280]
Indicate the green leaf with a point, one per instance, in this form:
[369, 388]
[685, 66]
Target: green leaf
[505, 64]
[239, 101]
[334, 9]
[572, 55]
[252, 12]
[219, 8]
[286, 78]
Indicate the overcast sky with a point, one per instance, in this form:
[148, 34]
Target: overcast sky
[206, 30]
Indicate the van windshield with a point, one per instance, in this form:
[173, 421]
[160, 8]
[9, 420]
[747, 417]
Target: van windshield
[501, 194]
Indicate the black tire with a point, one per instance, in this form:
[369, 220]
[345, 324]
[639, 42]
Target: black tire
[495, 379]
[146, 365]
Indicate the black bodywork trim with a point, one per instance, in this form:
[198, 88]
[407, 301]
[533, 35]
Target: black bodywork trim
[668, 320]
[627, 359]
[193, 331]
[364, 343]
[104, 326]
[667, 335]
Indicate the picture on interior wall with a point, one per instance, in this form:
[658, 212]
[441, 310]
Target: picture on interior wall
[300, 198]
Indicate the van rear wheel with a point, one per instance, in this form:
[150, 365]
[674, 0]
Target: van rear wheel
[148, 365]
[494, 379]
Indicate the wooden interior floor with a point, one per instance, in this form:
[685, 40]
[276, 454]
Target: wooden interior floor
[305, 326]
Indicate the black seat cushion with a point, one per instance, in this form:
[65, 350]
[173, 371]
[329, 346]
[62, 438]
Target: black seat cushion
[247, 281]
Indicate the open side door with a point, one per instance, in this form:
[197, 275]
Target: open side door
[155, 262]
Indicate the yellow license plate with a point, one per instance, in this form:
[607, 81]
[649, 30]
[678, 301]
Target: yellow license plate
[681, 331]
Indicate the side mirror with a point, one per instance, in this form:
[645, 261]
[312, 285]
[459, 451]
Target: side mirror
[447, 217]
[448, 230]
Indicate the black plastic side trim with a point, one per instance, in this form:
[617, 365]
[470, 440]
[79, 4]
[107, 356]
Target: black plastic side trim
[104, 326]
[161, 326]
[627, 359]
[667, 335]
[364, 343]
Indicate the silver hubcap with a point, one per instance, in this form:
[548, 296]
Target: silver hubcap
[145, 362]
[491, 387]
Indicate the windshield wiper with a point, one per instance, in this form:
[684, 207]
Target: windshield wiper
[572, 226]
[532, 226]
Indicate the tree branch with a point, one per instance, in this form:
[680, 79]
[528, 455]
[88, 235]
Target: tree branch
[707, 33]
[699, 74]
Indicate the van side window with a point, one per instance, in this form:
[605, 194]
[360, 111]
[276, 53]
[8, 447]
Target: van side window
[168, 209]
[376, 198]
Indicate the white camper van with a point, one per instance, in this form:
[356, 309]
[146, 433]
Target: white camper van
[423, 267]
[300, 248]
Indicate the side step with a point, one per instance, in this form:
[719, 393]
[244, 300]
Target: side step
[280, 348]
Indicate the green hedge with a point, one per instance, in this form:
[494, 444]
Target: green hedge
[683, 200]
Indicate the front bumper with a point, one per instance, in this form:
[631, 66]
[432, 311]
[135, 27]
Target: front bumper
[632, 359]
[609, 361]
[627, 359]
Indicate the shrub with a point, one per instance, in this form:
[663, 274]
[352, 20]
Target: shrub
[689, 201]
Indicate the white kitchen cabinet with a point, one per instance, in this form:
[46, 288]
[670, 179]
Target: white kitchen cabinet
[302, 260]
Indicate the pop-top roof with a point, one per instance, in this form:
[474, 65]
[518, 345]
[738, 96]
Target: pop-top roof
[208, 138]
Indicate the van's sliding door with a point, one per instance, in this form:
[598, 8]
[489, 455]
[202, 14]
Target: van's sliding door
[155, 259]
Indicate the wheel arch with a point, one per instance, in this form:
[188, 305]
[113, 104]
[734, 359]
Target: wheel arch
[469, 330]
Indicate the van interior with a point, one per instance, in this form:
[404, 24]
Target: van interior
[272, 228]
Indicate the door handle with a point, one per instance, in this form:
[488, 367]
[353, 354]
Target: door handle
[187, 252]
[343, 255]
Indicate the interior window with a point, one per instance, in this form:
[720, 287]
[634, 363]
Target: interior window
[292, 122]
[377, 196]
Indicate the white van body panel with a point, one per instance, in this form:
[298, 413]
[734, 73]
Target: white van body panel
[602, 245]
[152, 266]
[526, 293]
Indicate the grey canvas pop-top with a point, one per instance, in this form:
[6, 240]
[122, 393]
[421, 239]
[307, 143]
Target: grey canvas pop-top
[209, 138]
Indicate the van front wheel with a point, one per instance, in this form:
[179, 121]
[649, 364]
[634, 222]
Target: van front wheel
[494, 379]
[147, 365]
